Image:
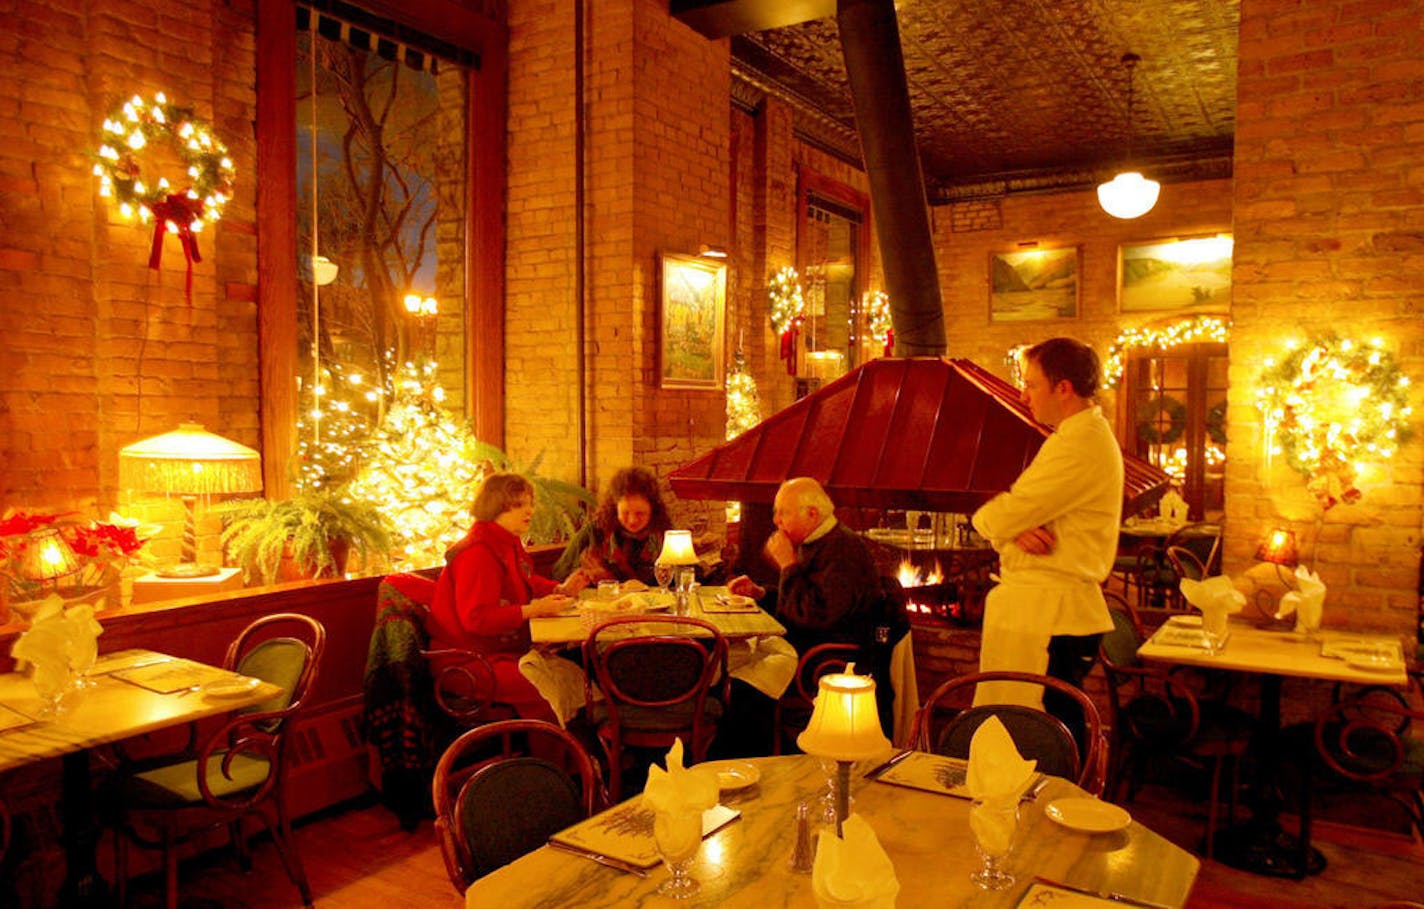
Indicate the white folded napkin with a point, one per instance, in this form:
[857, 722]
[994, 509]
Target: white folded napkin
[768, 664]
[46, 647]
[1216, 597]
[680, 789]
[558, 681]
[1307, 601]
[997, 773]
[853, 870]
[83, 631]
[1172, 507]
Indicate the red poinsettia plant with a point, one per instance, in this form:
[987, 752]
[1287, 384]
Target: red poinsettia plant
[43, 552]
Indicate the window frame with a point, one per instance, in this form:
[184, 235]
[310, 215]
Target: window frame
[277, 221]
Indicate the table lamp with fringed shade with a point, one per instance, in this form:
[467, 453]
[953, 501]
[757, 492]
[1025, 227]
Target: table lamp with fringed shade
[679, 553]
[189, 462]
[845, 727]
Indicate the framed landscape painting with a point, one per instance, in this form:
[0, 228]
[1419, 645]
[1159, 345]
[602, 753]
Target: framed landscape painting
[1175, 275]
[1033, 284]
[691, 305]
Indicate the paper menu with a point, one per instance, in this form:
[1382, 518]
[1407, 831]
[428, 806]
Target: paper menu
[12, 719]
[1042, 893]
[625, 832]
[170, 676]
[929, 773]
[1348, 647]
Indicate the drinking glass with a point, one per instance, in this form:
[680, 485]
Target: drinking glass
[663, 575]
[608, 590]
[993, 825]
[1214, 629]
[52, 683]
[679, 836]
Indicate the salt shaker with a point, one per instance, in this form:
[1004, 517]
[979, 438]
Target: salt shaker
[802, 856]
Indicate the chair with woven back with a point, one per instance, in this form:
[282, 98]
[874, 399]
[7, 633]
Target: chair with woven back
[240, 770]
[946, 723]
[502, 789]
[657, 674]
[793, 709]
[1157, 714]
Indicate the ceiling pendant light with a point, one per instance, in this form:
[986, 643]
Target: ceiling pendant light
[1129, 194]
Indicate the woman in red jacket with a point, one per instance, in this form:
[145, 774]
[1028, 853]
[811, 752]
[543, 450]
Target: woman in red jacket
[488, 591]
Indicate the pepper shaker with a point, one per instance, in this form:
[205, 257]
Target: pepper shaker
[802, 856]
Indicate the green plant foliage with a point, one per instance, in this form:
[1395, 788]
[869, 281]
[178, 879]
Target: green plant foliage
[559, 507]
[257, 532]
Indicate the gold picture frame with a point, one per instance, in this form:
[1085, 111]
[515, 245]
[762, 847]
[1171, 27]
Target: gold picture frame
[692, 304]
[1029, 285]
[1175, 274]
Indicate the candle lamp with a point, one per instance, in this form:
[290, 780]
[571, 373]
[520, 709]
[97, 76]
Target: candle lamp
[1279, 549]
[844, 727]
[679, 554]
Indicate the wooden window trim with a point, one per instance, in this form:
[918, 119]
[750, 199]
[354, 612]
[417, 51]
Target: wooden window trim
[277, 219]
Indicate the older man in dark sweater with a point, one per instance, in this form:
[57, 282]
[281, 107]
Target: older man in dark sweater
[829, 588]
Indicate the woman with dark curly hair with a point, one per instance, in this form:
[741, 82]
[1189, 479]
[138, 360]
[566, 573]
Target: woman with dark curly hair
[623, 538]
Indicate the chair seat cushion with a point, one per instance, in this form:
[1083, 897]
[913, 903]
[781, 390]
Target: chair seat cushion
[176, 785]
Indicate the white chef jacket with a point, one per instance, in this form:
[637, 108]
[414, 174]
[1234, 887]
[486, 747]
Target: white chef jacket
[1073, 487]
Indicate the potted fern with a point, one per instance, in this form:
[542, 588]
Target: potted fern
[310, 535]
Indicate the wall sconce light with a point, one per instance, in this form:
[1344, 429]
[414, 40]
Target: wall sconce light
[712, 252]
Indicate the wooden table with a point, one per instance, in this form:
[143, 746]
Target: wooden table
[926, 836]
[563, 631]
[1261, 846]
[109, 711]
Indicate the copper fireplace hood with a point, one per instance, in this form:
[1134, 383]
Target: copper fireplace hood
[923, 433]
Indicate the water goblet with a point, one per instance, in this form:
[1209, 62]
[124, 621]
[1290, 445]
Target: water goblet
[993, 825]
[663, 575]
[608, 590]
[678, 835]
[52, 682]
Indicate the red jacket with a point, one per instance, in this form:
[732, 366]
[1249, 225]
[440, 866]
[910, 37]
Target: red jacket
[487, 578]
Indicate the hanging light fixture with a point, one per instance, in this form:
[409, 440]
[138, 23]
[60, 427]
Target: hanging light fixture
[1129, 194]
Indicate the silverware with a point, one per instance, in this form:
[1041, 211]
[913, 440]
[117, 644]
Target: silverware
[609, 861]
[1035, 789]
[1114, 897]
[876, 771]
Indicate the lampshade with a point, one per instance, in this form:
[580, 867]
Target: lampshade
[845, 724]
[677, 548]
[1278, 548]
[190, 461]
[47, 556]
[1128, 195]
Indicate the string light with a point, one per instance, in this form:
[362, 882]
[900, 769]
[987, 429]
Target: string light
[788, 301]
[1195, 330]
[878, 321]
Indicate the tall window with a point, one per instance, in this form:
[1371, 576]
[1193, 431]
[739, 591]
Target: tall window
[1176, 418]
[381, 169]
[832, 243]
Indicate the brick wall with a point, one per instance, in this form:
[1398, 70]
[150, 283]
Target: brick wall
[1329, 223]
[82, 316]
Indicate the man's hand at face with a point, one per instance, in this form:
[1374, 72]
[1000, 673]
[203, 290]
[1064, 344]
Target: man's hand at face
[780, 549]
[1038, 541]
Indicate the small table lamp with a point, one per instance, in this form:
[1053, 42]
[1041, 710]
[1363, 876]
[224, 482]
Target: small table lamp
[1279, 549]
[678, 552]
[844, 726]
[189, 462]
[47, 557]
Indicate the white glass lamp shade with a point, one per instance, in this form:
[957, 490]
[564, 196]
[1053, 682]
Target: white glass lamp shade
[845, 724]
[1128, 195]
[677, 548]
[190, 461]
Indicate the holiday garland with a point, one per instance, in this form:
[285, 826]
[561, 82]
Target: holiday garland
[788, 304]
[878, 320]
[204, 190]
[1330, 402]
[1162, 337]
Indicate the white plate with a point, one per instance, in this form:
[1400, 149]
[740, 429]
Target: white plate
[734, 775]
[230, 688]
[1088, 815]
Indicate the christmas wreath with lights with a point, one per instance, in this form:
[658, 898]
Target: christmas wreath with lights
[178, 209]
[1216, 423]
[1149, 420]
[788, 305]
[879, 322]
[1330, 402]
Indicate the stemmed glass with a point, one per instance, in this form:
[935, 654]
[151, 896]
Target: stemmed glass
[663, 575]
[993, 825]
[678, 835]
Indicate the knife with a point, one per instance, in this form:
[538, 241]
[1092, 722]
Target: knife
[599, 858]
[874, 772]
[1114, 897]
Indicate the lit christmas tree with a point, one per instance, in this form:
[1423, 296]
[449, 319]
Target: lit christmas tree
[334, 418]
[422, 464]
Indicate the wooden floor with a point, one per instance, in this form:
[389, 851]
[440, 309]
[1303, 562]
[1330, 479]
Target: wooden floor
[359, 857]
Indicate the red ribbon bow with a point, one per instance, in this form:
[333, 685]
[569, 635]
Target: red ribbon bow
[181, 210]
[788, 345]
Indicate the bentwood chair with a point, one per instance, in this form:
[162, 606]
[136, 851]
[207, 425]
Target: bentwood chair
[657, 674]
[1155, 715]
[240, 770]
[793, 709]
[946, 723]
[1367, 743]
[502, 789]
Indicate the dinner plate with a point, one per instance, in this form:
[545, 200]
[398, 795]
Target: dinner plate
[1088, 815]
[230, 687]
[734, 775]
